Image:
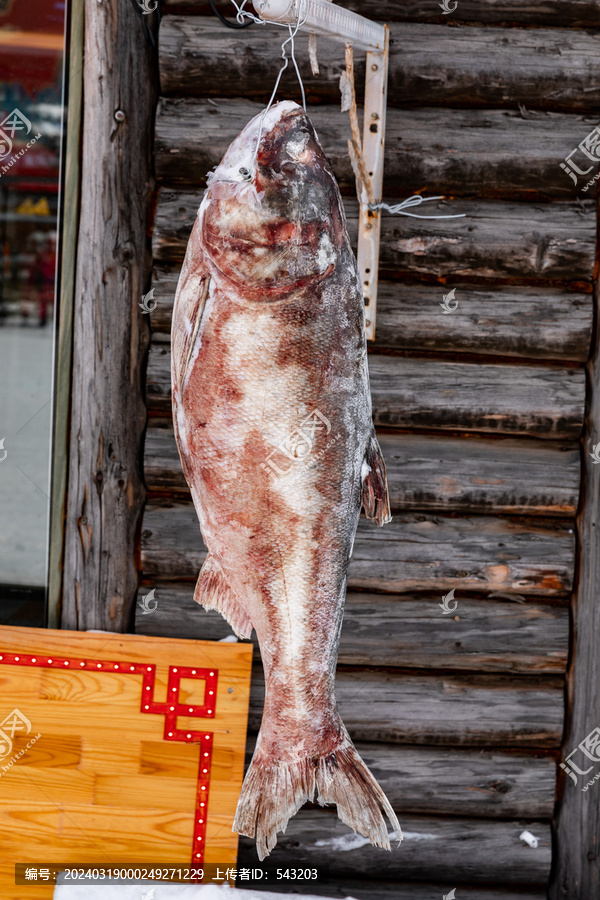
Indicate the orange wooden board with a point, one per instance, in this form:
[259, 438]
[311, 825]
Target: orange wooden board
[118, 774]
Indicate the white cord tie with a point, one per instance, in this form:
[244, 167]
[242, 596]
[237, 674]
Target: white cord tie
[399, 209]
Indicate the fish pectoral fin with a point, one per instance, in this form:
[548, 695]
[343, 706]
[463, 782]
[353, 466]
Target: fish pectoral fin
[213, 592]
[190, 309]
[375, 494]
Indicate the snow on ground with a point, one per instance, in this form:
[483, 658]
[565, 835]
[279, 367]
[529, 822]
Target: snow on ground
[164, 892]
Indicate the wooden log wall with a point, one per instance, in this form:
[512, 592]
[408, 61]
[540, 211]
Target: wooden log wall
[105, 491]
[479, 413]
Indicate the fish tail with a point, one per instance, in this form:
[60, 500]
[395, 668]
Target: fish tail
[271, 794]
[274, 791]
[344, 779]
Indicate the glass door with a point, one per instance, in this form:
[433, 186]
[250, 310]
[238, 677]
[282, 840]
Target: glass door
[31, 128]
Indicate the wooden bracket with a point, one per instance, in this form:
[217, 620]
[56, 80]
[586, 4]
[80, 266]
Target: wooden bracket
[373, 145]
[325, 18]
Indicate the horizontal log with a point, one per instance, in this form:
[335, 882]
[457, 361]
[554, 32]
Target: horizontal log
[460, 151]
[540, 68]
[414, 552]
[451, 710]
[448, 850]
[534, 323]
[555, 13]
[498, 240]
[446, 474]
[442, 781]
[478, 397]
[438, 781]
[542, 323]
[411, 632]
[422, 393]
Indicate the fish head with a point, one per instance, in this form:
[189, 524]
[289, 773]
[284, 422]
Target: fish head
[274, 222]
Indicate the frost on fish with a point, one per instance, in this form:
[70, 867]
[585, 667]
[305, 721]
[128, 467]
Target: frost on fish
[272, 414]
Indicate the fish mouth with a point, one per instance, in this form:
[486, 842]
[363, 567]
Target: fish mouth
[270, 217]
[239, 162]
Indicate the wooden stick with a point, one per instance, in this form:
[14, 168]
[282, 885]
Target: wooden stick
[356, 141]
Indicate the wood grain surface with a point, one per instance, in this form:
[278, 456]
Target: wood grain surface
[577, 873]
[499, 241]
[430, 65]
[492, 635]
[460, 716]
[415, 552]
[101, 785]
[105, 492]
[433, 394]
[530, 322]
[466, 152]
[342, 888]
[441, 473]
[555, 13]
[478, 852]
[381, 705]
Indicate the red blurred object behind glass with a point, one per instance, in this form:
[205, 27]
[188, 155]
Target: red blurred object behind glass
[31, 42]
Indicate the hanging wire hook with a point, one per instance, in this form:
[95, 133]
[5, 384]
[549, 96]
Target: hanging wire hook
[293, 29]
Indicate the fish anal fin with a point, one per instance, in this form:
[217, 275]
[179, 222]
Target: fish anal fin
[213, 592]
[375, 493]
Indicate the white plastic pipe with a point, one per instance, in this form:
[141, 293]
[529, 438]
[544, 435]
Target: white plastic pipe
[325, 19]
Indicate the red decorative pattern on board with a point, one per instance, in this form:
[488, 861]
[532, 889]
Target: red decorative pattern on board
[171, 709]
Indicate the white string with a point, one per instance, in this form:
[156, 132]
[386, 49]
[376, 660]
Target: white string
[399, 209]
[293, 30]
[243, 14]
[293, 54]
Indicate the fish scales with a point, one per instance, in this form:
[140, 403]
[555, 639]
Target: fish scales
[273, 421]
